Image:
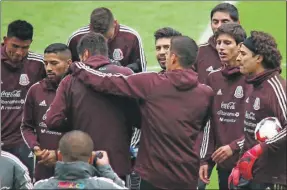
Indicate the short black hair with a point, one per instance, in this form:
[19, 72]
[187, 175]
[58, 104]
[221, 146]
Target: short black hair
[266, 46]
[226, 8]
[95, 43]
[56, 48]
[20, 29]
[166, 32]
[186, 50]
[234, 30]
[101, 20]
[76, 146]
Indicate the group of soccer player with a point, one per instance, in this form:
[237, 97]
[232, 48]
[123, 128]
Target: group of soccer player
[199, 111]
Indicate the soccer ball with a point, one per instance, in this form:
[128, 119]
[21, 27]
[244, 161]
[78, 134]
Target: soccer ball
[267, 128]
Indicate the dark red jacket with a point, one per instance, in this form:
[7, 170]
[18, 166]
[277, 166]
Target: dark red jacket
[207, 60]
[171, 120]
[34, 129]
[105, 117]
[15, 82]
[126, 46]
[228, 109]
[267, 99]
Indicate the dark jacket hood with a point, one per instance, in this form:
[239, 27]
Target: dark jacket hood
[74, 170]
[182, 79]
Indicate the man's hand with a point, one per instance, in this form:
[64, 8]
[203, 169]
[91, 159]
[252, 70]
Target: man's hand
[247, 161]
[48, 158]
[104, 160]
[203, 174]
[222, 154]
[233, 179]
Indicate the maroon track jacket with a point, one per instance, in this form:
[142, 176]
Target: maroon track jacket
[34, 129]
[174, 107]
[267, 99]
[106, 118]
[16, 79]
[126, 47]
[228, 109]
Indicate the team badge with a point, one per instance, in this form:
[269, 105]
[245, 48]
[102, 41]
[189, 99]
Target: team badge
[238, 92]
[256, 104]
[24, 80]
[118, 54]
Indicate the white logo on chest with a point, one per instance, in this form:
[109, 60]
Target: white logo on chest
[256, 104]
[24, 80]
[238, 92]
[118, 54]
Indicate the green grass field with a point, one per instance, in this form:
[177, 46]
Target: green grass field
[54, 21]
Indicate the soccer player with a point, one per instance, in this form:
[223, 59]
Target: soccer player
[103, 116]
[208, 59]
[162, 44]
[20, 69]
[263, 164]
[125, 44]
[223, 135]
[57, 58]
[171, 119]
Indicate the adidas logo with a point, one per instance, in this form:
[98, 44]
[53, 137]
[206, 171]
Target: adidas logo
[209, 69]
[43, 103]
[219, 92]
[247, 100]
[31, 155]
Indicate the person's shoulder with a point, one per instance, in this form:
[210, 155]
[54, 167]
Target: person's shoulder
[13, 160]
[35, 58]
[78, 33]
[128, 31]
[44, 183]
[106, 183]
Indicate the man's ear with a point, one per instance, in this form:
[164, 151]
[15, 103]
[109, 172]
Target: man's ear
[259, 58]
[5, 38]
[69, 62]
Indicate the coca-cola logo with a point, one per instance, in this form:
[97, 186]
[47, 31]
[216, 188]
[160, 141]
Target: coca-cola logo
[14, 94]
[228, 106]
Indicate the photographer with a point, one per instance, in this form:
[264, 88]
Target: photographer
[74, 171]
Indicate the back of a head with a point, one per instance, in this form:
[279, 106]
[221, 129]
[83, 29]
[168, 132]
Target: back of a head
[95, 43]
[76, 146]
[226, 8]
[166, 32]
[58, 48]
[234, 30]
[20, 29]
[185, 49]
[101, 20]
[265, 45]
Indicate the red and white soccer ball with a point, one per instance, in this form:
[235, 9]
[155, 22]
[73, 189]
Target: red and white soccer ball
[267, 128]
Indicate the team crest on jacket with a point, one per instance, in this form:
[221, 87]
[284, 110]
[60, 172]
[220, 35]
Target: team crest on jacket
[24, 80]
[238, 92]
[118, 54]
[256, 104]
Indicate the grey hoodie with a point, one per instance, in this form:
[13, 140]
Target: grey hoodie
[80, 175]
[13, 173]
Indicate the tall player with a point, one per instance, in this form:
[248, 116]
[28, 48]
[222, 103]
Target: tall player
[223, 136]
[57, 58]
[20, 69]
[125, 44]
[262, 164]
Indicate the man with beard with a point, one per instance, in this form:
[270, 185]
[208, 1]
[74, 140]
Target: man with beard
[57, 58]
[263, 164]
[222, 138]
[125, 44]
[20, 69]
[171, 119]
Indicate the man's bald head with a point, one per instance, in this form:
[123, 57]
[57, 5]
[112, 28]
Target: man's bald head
[76, 146]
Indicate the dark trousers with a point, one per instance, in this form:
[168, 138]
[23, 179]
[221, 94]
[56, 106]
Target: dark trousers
[144, 185]
[201, 185]
[223, 178]
[22, 152]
